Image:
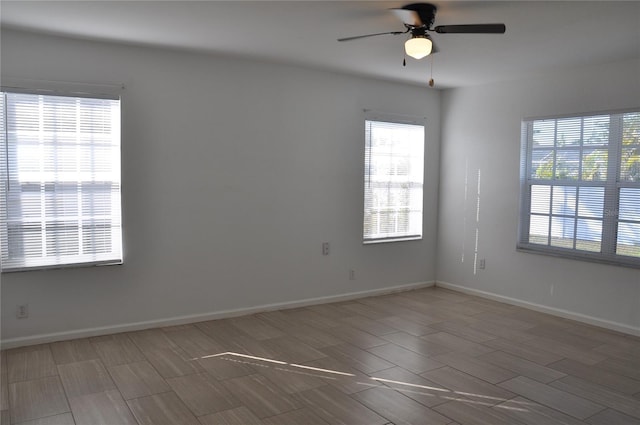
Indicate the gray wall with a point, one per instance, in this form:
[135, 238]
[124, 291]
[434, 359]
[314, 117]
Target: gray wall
[234, 173]
[481, 137]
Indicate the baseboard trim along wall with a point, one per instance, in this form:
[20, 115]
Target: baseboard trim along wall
[615, 326]
[193, 318]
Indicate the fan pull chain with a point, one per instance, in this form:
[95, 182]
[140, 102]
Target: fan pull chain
[431, 81]
[404, 61]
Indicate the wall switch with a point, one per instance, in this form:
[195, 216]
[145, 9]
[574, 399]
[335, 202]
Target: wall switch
[352, 275]
[22, 311]
[482, 264]
[325, 248]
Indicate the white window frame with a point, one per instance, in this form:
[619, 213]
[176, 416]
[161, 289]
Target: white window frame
[109, 251]
[611, 187]
[415, 211]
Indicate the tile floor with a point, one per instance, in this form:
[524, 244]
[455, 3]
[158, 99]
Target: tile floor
[428, 356]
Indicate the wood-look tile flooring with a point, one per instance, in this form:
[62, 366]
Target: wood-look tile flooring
[428, 356]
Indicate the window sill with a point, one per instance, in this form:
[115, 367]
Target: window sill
[620, 261]
[388, 240]
[62, 266]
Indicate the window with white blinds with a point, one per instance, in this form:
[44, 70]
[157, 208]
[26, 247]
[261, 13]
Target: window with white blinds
[580, 180]
[60, 181]
[393, 178]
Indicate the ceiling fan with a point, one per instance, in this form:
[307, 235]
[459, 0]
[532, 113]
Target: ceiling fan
[418, 20]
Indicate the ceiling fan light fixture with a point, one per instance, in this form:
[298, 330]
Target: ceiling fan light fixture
[418, 47]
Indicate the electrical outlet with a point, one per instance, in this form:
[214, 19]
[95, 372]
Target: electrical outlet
[483, 264]
[352, 275]
[22, 311]
[325, 248]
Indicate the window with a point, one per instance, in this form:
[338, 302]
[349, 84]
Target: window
[393, 176]
[580, 181]
[59, 181]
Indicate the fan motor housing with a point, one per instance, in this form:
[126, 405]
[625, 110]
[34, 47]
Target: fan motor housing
[426, 12]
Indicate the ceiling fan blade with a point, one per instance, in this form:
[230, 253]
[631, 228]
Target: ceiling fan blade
[372, 35]
[471, 29]
[409, 17]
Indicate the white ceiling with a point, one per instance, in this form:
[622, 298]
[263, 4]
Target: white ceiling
[541, 36]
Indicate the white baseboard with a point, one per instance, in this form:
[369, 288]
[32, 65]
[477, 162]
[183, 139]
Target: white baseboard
[608, 324]
[181, 320]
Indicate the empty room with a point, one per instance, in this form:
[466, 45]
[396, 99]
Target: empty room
[320, 212]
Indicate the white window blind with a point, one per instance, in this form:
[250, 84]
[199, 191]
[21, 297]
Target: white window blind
[60, 182]
[580, 181]
[394, 170]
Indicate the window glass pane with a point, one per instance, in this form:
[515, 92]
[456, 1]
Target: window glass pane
[97, 199]
[61, 200]
[630, 161]
[25, 202]
[100, 238]
[62, 238]
[630, 164]
[539, 229]
[631, 128]
[569, 132]
[596, 130]
[24, 240]
[23, 114]
[564, 200]
[628, 241]
[542, 164]
[567, 164]
[540, 199]
[562, 231]
[60, 159]
[594, 164]
[58, 116]
[544, 133]
[95, 119]
[629, 204]
[591, 203]
[26, 157]
[589, 235]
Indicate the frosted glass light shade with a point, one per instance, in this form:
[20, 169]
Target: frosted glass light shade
[418, 47]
